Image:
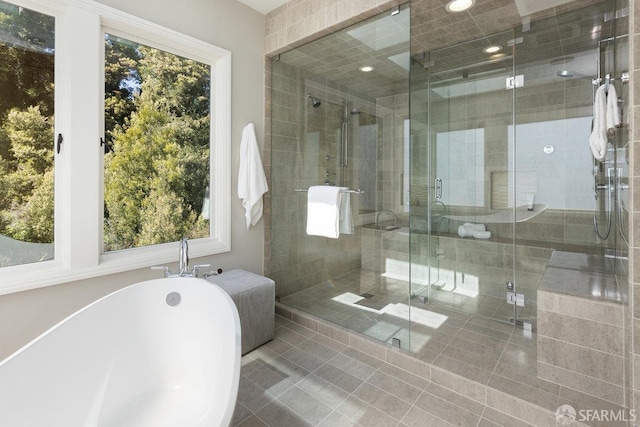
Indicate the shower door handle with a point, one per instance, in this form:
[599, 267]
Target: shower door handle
[438, 189]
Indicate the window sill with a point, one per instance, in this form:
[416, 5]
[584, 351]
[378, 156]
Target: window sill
[40, 275]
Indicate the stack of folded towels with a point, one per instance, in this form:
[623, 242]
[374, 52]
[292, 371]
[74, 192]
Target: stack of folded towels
[477, 231]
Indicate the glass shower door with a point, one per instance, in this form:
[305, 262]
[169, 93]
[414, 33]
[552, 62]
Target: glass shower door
[552, 168]
[469, 178]
[343, 129]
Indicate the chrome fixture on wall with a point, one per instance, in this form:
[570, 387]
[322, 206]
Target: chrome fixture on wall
[344, 137]
[609, 188]
[569, 74]
[314, 101]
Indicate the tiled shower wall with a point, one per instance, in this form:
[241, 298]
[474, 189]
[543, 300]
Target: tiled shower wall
[303, 149]
[393, 111]
[569, 230]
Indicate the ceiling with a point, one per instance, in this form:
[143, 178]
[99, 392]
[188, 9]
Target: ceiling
[383, 42]
[264, 6]
[524, 7]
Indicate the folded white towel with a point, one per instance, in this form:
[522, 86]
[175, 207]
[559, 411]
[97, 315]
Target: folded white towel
[613, 111]
[346, 219]
[252, 182]
[323, 211]
[477, 227]
[466, 230]
[482, 235]
[598, 137]
[469, 229]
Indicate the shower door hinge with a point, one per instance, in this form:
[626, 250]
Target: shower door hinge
[514, 42]
[516, 81]
[515, 298]
[428, 64]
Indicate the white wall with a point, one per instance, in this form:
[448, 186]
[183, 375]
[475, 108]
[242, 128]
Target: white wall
[224, 23]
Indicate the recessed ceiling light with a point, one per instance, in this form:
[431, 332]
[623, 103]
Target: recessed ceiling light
[492, 49]
[459, 5]
[366, 68]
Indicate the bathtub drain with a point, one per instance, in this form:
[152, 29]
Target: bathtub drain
[173, 299]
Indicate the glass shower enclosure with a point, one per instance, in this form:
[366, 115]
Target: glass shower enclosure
[502, 177]
[468, 169]
[339, 108]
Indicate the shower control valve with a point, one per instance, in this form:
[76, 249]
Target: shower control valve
[509, 285]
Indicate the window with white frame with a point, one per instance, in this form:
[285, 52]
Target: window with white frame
[143, 120]
[157, 131]
[27, 59]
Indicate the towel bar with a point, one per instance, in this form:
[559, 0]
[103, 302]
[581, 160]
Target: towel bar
[356, 191]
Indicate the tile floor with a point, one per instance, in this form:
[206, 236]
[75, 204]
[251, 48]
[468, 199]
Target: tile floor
[303, 378]
[339, 300]
[337, 384]
[449, 334]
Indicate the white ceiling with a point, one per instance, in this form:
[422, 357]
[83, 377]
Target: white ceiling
[263, 6]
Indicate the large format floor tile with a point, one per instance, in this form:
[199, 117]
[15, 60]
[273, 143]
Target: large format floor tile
[303, 378]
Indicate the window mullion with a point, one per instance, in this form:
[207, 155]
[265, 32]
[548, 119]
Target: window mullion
[82, 82]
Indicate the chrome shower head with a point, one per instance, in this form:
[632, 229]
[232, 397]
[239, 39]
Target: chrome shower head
[568, 74]
[314, 101]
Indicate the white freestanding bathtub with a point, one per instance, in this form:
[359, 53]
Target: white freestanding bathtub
[165, 352]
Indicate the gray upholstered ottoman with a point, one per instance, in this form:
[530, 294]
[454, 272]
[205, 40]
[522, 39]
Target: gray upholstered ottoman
[254, 296]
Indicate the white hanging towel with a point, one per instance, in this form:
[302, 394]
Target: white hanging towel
[252, 182]
[613, 112]
[323, 211]
[598, 137]
[346, 219]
